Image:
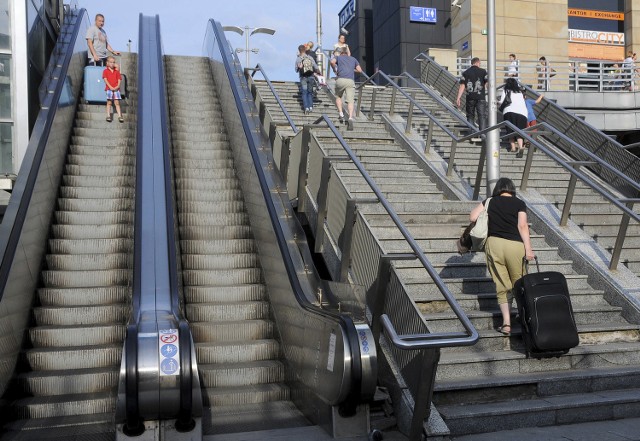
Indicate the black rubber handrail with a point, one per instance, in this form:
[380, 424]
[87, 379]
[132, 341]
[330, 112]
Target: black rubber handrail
[14, 217]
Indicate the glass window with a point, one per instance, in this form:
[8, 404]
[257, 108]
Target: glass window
[6, 135]
[5, 86]
[5, 25]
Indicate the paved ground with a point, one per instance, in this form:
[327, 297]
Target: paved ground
[619, 430]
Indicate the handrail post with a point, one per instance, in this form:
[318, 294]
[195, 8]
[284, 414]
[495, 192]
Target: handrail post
[285, 153]
[452, 156]
[359, 100]
[379, 295]
[392, 107]
[302, 167]
[347, 238]
[480, 171]
[427, 146]
[527, 167]
[568, 200]
[372, 106]
[429, 359]
[410, 115]
[322, 203]
[622, 233]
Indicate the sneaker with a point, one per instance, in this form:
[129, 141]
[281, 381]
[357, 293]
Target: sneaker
[310, 109]
[121, 119]
[350, 124]
[341, 118]
[109, 119]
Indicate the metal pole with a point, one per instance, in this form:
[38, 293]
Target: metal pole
[246, 45]
[319, 34]
[492, 138]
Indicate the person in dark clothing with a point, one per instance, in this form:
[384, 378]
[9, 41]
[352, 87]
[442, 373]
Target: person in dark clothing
[311, 52]
[474, 81]
[508, 241]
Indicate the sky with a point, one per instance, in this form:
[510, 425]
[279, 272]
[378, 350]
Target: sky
[183, 26]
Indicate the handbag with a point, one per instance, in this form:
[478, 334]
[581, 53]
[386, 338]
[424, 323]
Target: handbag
[480, 231]
[506, 102]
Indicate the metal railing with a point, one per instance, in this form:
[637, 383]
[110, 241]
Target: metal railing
[574, 75]
[587, 159]
[607, 149]
[426, 342]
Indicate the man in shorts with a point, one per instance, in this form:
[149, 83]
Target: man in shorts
[345, 67]
[98, 42]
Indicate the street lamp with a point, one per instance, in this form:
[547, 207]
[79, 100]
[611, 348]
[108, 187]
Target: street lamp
[492, 141]
[247, 34]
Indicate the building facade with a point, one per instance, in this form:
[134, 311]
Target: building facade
[28, 31]
[560, 30]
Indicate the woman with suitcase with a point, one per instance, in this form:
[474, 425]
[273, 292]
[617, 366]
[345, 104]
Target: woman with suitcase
[508, 241]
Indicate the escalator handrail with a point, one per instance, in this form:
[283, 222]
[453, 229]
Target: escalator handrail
[15, 215]
[345, 322]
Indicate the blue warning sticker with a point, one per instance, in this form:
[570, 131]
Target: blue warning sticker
[169, 352]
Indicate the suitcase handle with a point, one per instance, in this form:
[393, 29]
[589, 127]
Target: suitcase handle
[525, 265]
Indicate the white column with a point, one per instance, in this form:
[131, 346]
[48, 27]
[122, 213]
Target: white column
[20, 80]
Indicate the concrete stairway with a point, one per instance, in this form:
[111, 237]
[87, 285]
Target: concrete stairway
[242, 376]
[492, 385]
[67, 379]
[590, 211]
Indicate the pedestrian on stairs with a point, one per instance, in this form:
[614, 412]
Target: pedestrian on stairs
[112, 80]
[306, 67]
[474, 82]
[345, 67]
[508, 241]
[98, 42]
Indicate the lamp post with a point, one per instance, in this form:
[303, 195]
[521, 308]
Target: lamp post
[319, 35]
[492, 138]
[245, 31]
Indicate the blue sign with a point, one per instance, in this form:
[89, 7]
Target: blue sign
[465, 45]
[347, 13]
[422, 15]
[169, 366]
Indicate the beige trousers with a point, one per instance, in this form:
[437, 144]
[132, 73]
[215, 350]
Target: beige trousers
[504, 260]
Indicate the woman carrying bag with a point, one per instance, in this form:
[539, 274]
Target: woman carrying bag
[514, 110]
[508, 241]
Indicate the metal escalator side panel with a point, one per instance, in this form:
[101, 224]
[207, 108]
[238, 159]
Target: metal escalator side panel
[25, 226]
[309, 334]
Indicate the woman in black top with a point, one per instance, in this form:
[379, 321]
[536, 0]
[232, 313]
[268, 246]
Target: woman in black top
[507, 243]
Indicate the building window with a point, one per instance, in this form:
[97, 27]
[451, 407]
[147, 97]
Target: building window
[5, 86]
[5, 26]
[6, 143]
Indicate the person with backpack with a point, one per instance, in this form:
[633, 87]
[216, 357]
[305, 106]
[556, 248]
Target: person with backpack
[306, 67]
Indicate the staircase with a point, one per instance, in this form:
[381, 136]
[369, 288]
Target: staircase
[239, 357]
[589, 210]
[67, 380]
[492, 385]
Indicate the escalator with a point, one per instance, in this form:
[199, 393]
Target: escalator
[68, 371]
[238, 356]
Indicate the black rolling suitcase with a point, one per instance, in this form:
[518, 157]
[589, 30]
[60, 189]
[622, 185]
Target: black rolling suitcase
[548, 326]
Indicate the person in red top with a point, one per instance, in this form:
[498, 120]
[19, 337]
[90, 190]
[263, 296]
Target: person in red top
[112, 79]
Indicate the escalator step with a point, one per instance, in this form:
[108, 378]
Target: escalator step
[96, 193]
[77, 262]
[96, 170]
[256, 393]
[185, 184]
[101, 141]
[81, 315]
[101, 160]
[210, 294]
[187, 196]
[73, 336]
[204, 174]
[253, 417]
[241, 374]
[215, 232]
[232, 330]
[102, 295]
[93, 217]
[114, 231]
[212, 219]
[237, 351]
[234, 246]
[90, 427]
[199, 312]
[98, 181]
[89, 150]
[56, 359]
[227, 261]
[66, 204]
[90, 246]
[82, 381]
[224, 206]
[64, 405]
